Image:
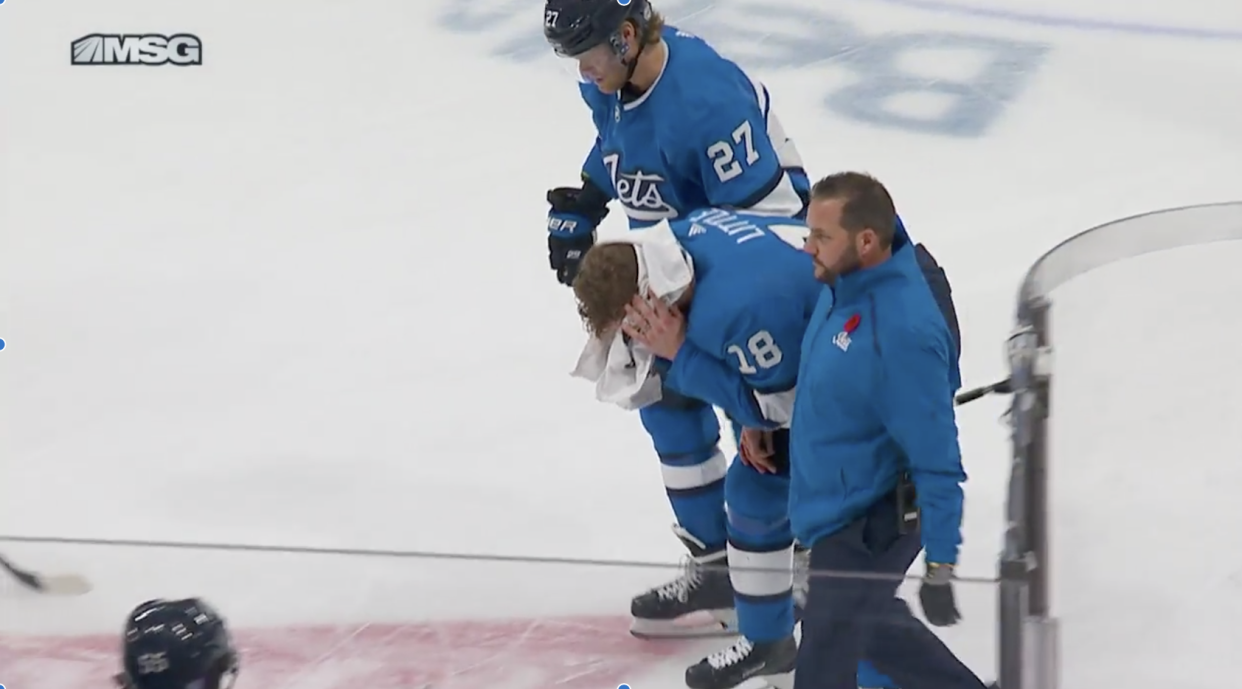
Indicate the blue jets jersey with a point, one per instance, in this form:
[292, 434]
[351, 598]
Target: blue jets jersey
[754, 292]
[704, 135]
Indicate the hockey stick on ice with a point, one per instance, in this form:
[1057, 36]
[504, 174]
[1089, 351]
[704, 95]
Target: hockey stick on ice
[54, 585]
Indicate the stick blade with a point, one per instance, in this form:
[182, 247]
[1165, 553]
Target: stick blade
[61, 585]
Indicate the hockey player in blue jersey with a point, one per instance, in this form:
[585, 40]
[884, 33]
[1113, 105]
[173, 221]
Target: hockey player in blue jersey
[678, 128]
[746, 294]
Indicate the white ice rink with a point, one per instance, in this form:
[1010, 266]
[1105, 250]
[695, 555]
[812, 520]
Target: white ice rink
[299, 296]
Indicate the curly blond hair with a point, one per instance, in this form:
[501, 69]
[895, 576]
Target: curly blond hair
[607, 282]
[655, 29]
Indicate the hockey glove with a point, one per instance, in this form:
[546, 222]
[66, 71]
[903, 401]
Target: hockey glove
[572, 220]
[936, 596]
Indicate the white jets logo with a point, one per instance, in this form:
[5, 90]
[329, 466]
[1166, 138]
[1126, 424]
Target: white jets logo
[639, 192]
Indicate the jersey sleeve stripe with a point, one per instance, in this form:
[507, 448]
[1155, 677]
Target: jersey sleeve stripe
[776, 407]
[762, 97]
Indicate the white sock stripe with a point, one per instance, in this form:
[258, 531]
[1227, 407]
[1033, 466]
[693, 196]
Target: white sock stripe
[696, 476]
[761, 583]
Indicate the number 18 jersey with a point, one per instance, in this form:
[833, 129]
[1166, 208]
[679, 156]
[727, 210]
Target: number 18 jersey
[754, 293]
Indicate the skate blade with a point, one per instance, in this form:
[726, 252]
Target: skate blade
[698, 625]
[784, 680]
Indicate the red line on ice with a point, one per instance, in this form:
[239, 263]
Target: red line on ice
[568, 652]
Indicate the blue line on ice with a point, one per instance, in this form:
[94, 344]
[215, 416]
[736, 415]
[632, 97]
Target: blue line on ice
[1066, 21]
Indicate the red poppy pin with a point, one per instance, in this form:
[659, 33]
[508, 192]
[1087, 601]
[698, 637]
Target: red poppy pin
[842, 340]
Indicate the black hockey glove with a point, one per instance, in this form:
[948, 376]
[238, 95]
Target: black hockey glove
[936, 596]
[572, 220]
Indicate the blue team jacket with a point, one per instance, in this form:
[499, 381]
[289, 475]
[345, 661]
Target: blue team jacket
[875, 399]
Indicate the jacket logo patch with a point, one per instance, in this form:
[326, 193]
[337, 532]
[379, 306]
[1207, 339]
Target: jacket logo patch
[842, 339]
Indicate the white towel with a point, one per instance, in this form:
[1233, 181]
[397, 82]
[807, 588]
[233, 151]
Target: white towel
[622, 373]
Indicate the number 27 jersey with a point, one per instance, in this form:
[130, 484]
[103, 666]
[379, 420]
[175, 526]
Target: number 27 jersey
[702, 136]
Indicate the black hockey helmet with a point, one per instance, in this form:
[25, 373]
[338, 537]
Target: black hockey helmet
[573, 27]
[179, 644]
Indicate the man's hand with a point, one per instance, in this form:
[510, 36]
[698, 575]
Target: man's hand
[936, 595]
[657, 326]
[758, 450]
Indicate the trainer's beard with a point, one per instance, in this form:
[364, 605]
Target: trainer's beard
[848, 263]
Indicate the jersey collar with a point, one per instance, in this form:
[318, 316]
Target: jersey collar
[630, 105]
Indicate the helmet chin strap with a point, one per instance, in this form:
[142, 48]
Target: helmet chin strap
[633, 64]
[630, 91]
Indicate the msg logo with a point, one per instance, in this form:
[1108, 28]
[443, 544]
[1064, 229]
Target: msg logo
[133, 49]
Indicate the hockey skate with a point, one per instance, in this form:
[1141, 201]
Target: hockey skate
[746, 665]
[699, 603]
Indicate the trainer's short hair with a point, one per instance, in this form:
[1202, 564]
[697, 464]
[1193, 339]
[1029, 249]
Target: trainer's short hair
[606, 283]
[868, 205]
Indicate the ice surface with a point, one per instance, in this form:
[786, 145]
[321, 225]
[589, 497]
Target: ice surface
[331, 621]
[1145, 475]
[299, 296]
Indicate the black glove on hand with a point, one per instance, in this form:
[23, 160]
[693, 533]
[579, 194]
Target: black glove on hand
[572, 220]
[936, 596]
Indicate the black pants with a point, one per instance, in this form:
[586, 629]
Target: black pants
[941, 290]
[846, 619]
